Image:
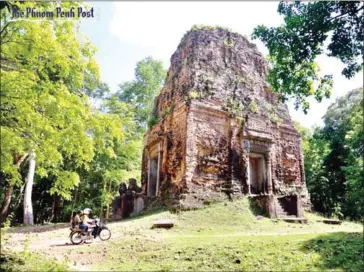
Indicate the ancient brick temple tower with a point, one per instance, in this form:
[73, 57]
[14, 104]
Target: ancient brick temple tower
[219, 130]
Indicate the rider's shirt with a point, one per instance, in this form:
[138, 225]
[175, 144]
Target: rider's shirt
[85, 219]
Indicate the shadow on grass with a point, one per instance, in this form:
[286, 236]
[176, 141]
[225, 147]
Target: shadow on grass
[256, 205]
[338, 250]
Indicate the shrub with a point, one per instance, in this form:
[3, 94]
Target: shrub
[235, 108]
[229, 44]
[253, 106]
[165, 112]
[153, 120]
[272, 114]
[193, 94]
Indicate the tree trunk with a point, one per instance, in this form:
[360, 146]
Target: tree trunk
[55, 208]
[7, 199]
[28, 207]
[6, 203]
[74, 203]
[18, 201]
[101, 205]
[108, 204]
[20, 197]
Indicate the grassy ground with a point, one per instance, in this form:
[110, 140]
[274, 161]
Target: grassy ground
[28, 261]
[224, 236]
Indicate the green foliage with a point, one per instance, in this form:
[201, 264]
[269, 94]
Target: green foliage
[165, 112]
[47, 71]
[338, 250]
[171, 109]
[253, 106]
[49, 80]
[65, 182]
[28, 261]
[153, 120]
[193, 94]
[234, 107]
[272, 114]
[201, 27]
[334, 159]
[209, 27]
[353, 170]
[229, 44]
[141, 92]
[294, 46]
[4, 229]
[115, 160]
[247, 79]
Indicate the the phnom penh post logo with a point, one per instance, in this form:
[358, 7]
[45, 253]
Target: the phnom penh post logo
[73, 12]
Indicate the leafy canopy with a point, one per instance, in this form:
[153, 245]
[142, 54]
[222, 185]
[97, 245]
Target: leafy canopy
[294, 46]
[47, 71]
[334, 158]
[140, 93]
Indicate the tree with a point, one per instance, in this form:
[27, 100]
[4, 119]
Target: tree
[354, 171]
[111, 166]
[46, 68]
[28, 207]
[141, 92]
[334, 159]
[294, 46]
[8, 5]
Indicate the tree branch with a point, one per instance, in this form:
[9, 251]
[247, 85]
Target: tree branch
[341, 15]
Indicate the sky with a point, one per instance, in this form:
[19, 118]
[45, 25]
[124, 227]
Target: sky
[127, 32]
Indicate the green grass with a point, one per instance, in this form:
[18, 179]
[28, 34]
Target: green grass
[227, 236]
[260, 253]
[29, 261]
[223, 236]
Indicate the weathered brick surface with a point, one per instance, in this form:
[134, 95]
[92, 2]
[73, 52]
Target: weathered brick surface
[215, 104]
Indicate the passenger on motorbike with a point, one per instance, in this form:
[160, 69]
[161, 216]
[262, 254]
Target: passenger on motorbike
[76, 220]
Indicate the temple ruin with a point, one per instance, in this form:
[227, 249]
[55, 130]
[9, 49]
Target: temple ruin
[220, 132]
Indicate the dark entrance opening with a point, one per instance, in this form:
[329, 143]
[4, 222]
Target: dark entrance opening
[288, 205]
[257, 174]
[153, 176]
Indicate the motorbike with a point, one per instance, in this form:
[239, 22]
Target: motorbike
[99, 229]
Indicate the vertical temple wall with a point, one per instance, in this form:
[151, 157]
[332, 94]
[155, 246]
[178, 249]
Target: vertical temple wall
[204, 155]
[216, 110]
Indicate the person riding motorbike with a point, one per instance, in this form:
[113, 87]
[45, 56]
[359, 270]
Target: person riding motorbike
[76, 220]
[83, 223]
[86, 221]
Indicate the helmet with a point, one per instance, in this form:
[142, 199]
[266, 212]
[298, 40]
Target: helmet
[87, 211]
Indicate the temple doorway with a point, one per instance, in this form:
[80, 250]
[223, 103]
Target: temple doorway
[257, 173]
[153, 176]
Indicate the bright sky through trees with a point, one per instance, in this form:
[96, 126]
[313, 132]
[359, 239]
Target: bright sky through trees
[127, 32]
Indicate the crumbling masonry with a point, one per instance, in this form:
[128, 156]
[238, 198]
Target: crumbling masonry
[220, 131]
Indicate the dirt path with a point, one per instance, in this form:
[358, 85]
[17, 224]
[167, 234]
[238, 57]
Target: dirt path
[55, 243]
[54, 240]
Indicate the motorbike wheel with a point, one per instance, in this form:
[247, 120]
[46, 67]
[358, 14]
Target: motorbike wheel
[76, 238]
[105, 234]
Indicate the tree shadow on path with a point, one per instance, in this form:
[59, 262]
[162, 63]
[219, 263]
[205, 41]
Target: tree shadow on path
[338, 250]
